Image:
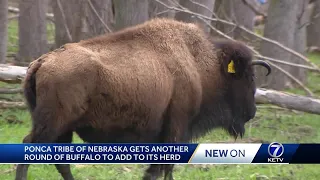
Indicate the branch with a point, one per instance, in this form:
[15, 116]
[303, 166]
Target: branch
[201, 5]
[98, 16]
[64, 21]
[254, 51]
[258, 54]
[245, 29]
[288, 63]
[293, 78]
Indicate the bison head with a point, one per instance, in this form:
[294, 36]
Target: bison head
[239, 84]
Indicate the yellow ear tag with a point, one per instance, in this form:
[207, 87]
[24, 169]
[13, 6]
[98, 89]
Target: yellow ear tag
[231, 67]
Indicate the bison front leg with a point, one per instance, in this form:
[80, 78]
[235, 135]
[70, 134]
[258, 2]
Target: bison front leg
[176, 130]
[153, 172]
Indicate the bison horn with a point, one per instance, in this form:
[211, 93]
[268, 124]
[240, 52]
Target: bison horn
[262, 63]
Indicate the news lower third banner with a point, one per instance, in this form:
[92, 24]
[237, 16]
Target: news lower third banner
[160, 153]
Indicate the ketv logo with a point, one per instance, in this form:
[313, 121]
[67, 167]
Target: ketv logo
[275, 150]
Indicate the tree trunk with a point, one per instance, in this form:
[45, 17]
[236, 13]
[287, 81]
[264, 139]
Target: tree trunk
[197, 8]
[67, 17]
[313, 28]
[32, 29]
[3, 30]
[104, 10]
[244, 16]
[76, 20]
[300, 40]
[281, 30]
[240, 14]
[224, 10]
[129, 13]
[158, 10]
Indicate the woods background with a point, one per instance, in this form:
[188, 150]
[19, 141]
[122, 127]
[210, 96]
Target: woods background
[286, 33]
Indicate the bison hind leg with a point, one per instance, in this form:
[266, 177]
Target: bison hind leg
[22, 169]
[64, 169]
[49, 126]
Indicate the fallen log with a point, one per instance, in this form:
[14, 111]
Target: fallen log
[287, 100]
[12, 74]
[10, 91]
[17, 105]
[15, 74]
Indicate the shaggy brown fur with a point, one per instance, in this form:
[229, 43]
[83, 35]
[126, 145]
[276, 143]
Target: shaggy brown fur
[161, 81]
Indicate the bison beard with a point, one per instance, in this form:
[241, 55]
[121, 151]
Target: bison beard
[237, 129]
[159, 82]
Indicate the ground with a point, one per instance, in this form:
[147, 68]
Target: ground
[270, 124]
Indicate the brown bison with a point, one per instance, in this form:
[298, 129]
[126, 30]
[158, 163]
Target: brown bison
[163, 81]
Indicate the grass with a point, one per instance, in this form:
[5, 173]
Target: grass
[268, 125]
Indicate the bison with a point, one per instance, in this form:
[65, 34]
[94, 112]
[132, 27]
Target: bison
[162, 81]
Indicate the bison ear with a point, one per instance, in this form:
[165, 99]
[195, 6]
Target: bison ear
[231, 68]
[234, 67]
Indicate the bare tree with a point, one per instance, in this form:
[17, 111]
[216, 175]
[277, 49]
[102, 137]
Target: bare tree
[158, 10]
[281, 30]
[204, 7]
[67, 19]
[32, 29]
[224, 10]
[313, 29]
[300, 40]
[239, 13]
[128, 13]
[243, 15]
[3, 30]
[81, 19]
[100, 18]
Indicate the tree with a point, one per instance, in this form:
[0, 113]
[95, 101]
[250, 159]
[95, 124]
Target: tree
[300, 40]
[204, 7]
[281, 30]
[243, 15]
[224, 10]
[67, 19]
[237, 12]
[129, 13]
[313, 29]
[96, 10]
[3, 30]
[158, 10]
[81, 19]
[32, 29]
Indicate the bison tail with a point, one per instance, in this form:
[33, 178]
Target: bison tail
[29, 87]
